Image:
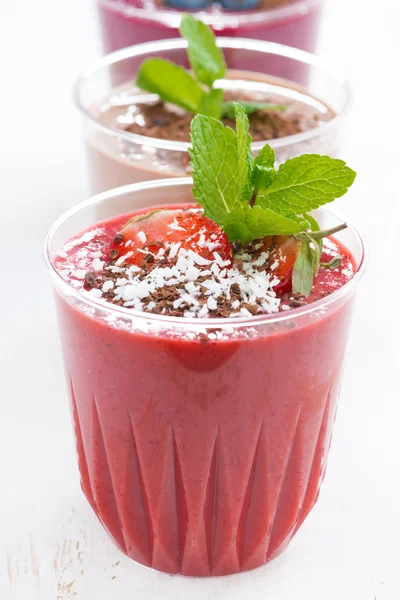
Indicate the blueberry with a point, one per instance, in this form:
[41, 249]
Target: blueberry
[187, 4]
[240, 4]
[159, 122]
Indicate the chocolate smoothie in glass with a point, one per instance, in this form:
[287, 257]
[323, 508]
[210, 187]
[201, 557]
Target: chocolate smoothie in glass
[131, 137]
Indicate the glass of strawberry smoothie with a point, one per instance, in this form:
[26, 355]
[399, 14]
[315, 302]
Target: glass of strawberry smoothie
[202, 443]
[128, 22]
[106, 97]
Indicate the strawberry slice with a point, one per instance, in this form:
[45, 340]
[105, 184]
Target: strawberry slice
[283, 250]
[160, 234]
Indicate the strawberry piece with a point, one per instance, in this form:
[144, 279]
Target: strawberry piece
[284, 250]
[149, 238]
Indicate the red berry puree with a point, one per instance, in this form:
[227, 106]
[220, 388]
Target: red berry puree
[201, 447]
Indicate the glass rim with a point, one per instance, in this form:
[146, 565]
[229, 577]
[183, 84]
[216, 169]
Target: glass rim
[171, 17]
[222, 42]
[195, 322]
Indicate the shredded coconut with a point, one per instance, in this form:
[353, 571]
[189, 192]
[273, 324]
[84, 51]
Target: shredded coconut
[174, 250]
[175, 225]
[196, 290]
[123, 258]
[96, 293]
[211, 303]
[107, 286]
[80, 274]
[199, 260]
[97, 265]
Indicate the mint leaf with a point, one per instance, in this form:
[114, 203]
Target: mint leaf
[303, 271]
[334, 263]
[228, 109]
[210, 104]
[170, 82]
[206, 59]
[310, 256]
[263, 173]
[266, 157]
[315, 250]
[218, 177]
[245, 223]
[245, 156]
[262, 177]
[305, 183]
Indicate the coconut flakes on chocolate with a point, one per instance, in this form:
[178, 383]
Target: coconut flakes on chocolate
[191, 286]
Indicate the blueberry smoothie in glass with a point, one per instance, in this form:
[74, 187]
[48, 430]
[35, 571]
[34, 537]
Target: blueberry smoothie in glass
[203, 330]
[137, 104]
[291, 22]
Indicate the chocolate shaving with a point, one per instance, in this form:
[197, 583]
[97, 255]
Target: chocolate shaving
[252, 308]
[118, 238]
[90, 280]
[149, 258]
[235, 290]
[297, 303]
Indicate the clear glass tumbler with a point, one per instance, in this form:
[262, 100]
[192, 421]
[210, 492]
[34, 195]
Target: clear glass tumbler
[200, 458]
[127, 22]
[117, 157]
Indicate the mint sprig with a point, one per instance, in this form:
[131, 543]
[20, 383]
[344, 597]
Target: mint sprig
[171, 82]
[194, 93]
[250, 199]
[206, 59]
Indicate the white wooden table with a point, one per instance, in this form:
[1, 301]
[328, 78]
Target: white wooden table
[51, 545]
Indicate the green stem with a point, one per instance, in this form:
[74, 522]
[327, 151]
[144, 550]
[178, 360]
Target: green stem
[253, 198]
[319, 235]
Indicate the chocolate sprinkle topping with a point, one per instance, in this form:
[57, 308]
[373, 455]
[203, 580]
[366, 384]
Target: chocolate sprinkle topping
[90, 280]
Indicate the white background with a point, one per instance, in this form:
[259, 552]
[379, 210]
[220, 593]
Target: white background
[51, 545]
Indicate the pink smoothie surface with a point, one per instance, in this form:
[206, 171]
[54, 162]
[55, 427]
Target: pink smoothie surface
[120, 28]
[202, 458]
